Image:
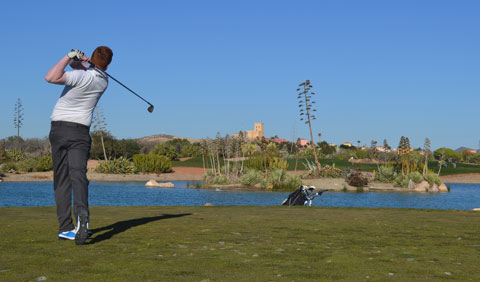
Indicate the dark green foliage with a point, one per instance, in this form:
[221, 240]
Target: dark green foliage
[473, 158]
[166, 150]
[114, 148]
[385, 174]
[325, 149]
[251, 177]
[43, 163]
[152, 163]
[447, 155]
[116, 166]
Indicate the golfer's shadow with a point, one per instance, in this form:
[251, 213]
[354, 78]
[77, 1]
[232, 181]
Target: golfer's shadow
[122, 226]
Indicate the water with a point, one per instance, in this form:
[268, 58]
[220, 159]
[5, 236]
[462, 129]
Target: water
[31, 194]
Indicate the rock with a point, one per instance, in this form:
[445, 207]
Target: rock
[443, 188]
[422, 186]
[476, 209]
[434, 188]
[153, 183]
[209, 205]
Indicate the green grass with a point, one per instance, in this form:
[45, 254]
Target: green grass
[343, 164]
[244, 244]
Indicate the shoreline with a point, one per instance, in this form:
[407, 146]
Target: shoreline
[196, 174]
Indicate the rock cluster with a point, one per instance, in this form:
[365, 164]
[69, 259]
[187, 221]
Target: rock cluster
[154, 183]
[425, 187]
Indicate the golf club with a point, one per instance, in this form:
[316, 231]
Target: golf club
[150, 109]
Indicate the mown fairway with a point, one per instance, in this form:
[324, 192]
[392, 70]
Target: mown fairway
[244, 244]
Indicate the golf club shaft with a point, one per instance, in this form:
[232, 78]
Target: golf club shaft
[121, 84]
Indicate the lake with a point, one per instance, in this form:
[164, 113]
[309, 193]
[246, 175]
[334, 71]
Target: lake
[33, 194]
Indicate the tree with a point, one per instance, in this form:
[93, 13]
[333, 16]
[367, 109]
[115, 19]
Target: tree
[18, 119]
[403, 151]
[426, 146]
[99, 126]
[305, 97]
[386, 148]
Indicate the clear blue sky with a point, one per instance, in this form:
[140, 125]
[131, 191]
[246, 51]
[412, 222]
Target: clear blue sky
[381, 69]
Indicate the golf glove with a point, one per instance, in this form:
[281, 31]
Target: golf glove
[76, 55]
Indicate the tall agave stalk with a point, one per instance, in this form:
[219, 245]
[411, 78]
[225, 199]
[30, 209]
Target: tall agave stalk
[306, 111]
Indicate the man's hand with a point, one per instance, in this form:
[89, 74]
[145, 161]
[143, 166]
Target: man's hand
[76, 55]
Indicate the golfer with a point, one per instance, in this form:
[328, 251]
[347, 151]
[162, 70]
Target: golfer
[70, 135]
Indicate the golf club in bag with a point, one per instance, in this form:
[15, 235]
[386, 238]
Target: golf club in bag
[303, 196]
[150, 109]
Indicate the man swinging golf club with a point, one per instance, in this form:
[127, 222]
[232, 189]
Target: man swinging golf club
[70, 135]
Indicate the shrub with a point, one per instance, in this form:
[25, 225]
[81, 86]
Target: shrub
[26, 165]
[251, 177]
[356, 179]
[152, 163]
[473, 158]
[4, 167]
[290, 182]
[385, 174]
[116, 166]
[44, 163]
[165, 150]
[401, 182]
[278, 179]
[433, 178]
[415, 176]
[219, 179]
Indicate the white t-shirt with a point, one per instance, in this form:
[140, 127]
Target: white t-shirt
[83, 89]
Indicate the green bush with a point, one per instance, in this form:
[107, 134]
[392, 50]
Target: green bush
[401, 182]
[117, 166]
[415, 176]
[26, 165]
[44, 163]
[251, 177]
[165, 150]
[473, 158]
[433, 178]
[219, 179]
[152, 163]
[278, 179]
[4, 167]
[385, 174]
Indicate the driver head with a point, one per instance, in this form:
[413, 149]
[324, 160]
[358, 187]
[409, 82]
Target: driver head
[150, 109]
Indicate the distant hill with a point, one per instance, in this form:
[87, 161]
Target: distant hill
[161, 138]
[461, 149]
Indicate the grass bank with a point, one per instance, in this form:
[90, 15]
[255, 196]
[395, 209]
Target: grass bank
[450, 169]
[244, 244]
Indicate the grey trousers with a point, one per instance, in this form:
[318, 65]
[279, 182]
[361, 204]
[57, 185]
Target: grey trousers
[71, 144]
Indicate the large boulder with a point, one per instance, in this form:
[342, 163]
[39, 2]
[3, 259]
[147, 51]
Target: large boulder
[443, 188]
[422, 186]
[154, 183]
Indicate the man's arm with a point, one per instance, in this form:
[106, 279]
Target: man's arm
[57, 73]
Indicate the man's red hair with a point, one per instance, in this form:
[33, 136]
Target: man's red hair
[101, 57]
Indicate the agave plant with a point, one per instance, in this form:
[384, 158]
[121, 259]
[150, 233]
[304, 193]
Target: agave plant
[305, 100]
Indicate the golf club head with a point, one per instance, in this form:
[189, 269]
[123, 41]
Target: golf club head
[150, 109]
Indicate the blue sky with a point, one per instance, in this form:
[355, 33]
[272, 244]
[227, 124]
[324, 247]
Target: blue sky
[381, 69]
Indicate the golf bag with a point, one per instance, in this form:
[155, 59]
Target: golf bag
[303, 196]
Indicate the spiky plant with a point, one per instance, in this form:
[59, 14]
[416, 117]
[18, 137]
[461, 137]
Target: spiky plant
[18, 119]
[305, 104]
[100, 125]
